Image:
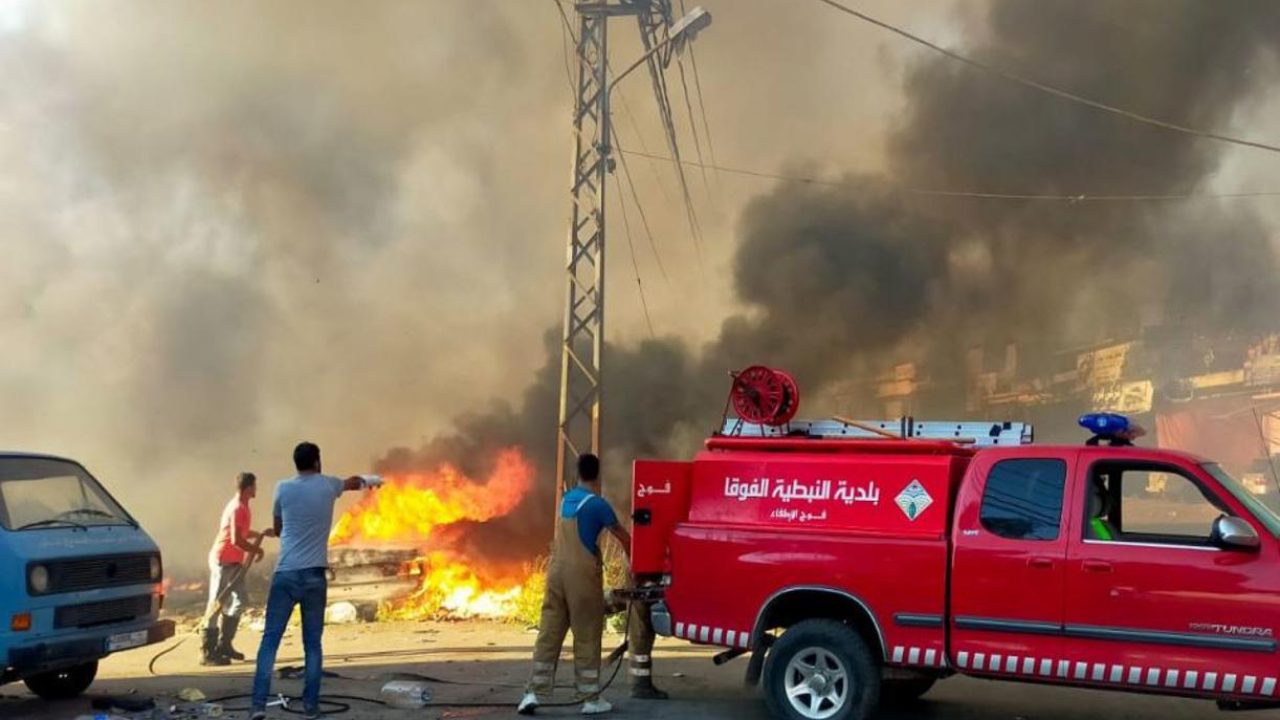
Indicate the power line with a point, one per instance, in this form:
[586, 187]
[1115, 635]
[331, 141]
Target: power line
[566, 32]
[657, 74]
[653, 164]
[1076, 198]
[644, 219]
[693, 125]
[702, 105]
[635, 267]
[1050, 89]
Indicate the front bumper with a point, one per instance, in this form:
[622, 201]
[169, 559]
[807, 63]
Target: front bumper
[25, 660]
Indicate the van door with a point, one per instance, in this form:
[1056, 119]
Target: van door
[1153, 602]
[1008, 565]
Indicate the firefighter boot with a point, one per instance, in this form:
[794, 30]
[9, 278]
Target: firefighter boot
[644, 689]
[209, 648]
[229, 626]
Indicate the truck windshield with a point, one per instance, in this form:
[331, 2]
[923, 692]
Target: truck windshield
[1265, 515]
[45, 493]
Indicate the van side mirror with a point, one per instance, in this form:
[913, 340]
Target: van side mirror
[1234, 534]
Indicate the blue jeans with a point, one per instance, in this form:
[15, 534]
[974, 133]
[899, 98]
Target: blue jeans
[307, 588]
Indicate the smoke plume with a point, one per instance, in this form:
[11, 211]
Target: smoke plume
[235, 226]
[841, 282]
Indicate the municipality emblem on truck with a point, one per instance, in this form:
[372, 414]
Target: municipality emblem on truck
[913, 500]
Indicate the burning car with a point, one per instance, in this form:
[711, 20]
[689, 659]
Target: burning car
[401, 553]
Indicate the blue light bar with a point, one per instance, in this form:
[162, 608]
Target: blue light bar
[1104, 424]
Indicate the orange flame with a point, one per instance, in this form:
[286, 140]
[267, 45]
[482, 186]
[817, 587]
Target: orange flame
[412, 509]
[450, 587]
[407, 508]
[168, 585]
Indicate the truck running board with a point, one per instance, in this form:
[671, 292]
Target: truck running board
[975, 432]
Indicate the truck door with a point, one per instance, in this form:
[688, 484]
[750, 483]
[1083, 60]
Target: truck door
[1152, 600]
[1008, 565]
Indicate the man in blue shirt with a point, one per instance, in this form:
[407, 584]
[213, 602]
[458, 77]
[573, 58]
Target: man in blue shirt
[574, 596]
[303, 512]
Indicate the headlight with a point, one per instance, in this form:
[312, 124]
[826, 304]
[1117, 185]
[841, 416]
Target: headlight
[38, 579]
[155, 567]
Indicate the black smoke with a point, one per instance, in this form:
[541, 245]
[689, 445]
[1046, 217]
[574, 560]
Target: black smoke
[841, 281]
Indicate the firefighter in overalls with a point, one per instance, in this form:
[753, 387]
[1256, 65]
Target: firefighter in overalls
[574, 596]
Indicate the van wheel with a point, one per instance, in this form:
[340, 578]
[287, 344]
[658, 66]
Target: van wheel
[821, 670]
[63, 684]
[905, 691]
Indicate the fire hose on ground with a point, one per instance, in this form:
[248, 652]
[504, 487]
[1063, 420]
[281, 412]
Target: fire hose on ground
[334, 705]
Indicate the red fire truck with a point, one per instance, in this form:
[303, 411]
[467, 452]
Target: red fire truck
[860, 562]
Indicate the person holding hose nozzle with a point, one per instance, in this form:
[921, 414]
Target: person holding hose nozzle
[303, 514]
[234, 549]
[574, 595]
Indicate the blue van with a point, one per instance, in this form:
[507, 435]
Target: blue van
[79, 579]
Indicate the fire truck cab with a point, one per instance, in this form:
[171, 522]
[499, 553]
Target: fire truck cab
[859, 569]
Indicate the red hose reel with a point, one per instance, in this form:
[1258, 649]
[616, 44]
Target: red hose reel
[764, 396]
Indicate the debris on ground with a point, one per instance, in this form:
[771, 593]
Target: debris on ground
[342, 613]
[192, 695]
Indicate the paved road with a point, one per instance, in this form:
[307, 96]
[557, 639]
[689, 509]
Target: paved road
[493, 660]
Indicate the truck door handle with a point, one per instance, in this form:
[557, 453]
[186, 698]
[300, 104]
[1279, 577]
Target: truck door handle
[1040, 563]
[1096, 566]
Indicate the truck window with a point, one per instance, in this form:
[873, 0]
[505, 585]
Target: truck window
[1260, 510]
[1148, 504]
[1023, 499]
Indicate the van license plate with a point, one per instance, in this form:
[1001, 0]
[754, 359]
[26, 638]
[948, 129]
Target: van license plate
[124, 641]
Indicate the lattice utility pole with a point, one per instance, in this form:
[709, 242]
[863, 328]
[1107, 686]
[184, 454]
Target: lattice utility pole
[582, 345]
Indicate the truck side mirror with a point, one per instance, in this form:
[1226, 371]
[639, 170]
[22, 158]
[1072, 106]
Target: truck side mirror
[1234, 534]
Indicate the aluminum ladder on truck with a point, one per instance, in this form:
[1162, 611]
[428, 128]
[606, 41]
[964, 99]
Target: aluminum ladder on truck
[977, 432]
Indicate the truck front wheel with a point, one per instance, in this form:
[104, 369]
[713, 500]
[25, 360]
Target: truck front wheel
[821, 670]
[65, 683]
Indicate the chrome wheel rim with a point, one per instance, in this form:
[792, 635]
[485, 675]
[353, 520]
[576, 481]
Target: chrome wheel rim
[817, 684]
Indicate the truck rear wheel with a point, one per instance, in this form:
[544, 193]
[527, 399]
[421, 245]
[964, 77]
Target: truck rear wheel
[65, 683]
[821, 670]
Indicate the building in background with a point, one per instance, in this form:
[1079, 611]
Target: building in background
[1213, 396]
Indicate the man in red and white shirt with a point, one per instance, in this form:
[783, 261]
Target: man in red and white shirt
[234, 549]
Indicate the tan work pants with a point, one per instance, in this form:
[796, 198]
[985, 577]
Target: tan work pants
[640, 638]
[574, 601]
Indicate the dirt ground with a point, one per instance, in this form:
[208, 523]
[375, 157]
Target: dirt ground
[493, 660]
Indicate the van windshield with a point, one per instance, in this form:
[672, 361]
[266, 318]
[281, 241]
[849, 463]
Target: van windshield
[46, 493]
[1265, 515]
